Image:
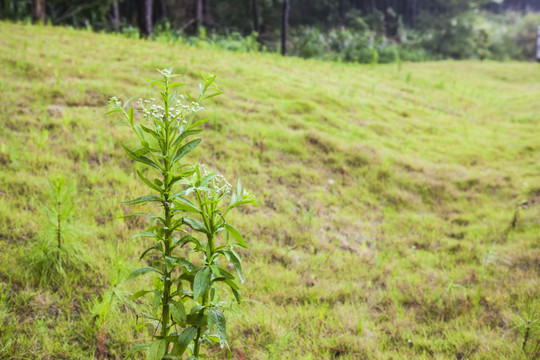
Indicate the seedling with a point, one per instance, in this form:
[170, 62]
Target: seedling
[57, 250]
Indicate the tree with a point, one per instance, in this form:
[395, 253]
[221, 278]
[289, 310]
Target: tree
[414, 12]
[199, 16]
[285, 27]
[144, 11]
[38, 11]
[342, 14]
[256, 24]
[116, 16]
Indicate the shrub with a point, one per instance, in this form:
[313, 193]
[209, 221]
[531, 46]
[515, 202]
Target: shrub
[514, 36]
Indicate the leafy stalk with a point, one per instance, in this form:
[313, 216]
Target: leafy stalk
[192, 206]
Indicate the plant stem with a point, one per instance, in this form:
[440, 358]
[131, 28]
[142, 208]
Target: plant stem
[526, 335]
[205, 296]
[168, 223]
[199, 330]
[59, 226]
[166, 274]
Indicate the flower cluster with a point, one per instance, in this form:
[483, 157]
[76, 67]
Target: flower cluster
[218, 183]
[114, 102]
[179, 111]
[165, 72]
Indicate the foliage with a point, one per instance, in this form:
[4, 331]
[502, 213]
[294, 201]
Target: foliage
[514, 36]
[419, 30]
[194, 313]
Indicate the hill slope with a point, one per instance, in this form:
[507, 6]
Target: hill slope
[386, 194]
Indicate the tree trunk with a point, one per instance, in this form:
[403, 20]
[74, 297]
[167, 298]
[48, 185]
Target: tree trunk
[145, 17]
[116, 16]
[285, 27]
[199, 9]
[207, 13]
[256, 24]
[414, 4]
[342, 14]
[163, 8]
[38, 11]
[148, 17]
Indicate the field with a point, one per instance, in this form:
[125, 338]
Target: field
[386, 197]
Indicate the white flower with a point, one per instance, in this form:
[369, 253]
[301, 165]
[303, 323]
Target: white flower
[165, 72]
[115, 102]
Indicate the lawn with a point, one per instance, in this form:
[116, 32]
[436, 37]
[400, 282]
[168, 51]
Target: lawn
[386, 197]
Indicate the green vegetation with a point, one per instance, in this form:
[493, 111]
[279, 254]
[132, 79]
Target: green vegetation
[386, 200]
[361, 31]
[57, 251]
[163, 144]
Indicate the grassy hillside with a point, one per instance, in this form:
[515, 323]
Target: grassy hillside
[385, 194]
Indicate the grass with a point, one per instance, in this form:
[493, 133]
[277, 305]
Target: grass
[386, 196]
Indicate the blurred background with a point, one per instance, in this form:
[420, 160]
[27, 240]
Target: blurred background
[364, 31]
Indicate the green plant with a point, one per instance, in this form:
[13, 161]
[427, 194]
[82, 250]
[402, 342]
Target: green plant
[57, 250]
[194, 203]
[528, 325]
[112, 305]
[520, 206]
[6, 320]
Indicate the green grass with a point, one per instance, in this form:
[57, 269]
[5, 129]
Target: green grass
[385, 197]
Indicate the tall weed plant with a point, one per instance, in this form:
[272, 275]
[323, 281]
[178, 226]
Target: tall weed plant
[192, 243]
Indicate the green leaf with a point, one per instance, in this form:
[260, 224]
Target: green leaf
[186, 264]
[195, 225]
[147, 182]
[178, 312]
[141, 159]
[235, 260]
[170, 263]
[236, 294]
[156, 135]
[155, 303]
[140, 214]
[225, 273]
[218, 92]
[145, 234]
[191, 239]
[164, 97]
[208, 178]
[185, 149]
[139, 294]
[185, 338]
[157, 82]
[197, 320]
[142, 200]
[236, 235]
[232, 284]
[142, 271]
[136, 349]
[199, 123]
[158, 247]
[185, 205]
[174, 85]
[201, 283]
[157, 349]
[216, 319]
[184, 135]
